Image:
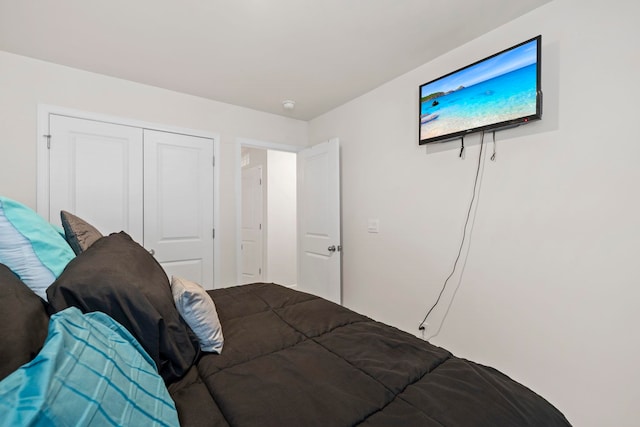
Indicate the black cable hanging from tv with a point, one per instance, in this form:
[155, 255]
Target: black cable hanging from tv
[462, 146]
[493, 156]
[421, 327]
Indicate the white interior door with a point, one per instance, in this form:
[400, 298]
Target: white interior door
[95, 172]
[319, 247]
[178, 204]
[252, 220]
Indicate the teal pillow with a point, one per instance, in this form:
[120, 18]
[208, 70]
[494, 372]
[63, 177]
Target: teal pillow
[31, 247]
[91, 371]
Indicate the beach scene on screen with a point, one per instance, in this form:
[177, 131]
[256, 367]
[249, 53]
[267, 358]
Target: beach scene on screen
[496, 90]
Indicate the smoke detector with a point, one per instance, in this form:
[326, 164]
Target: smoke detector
[288, 104]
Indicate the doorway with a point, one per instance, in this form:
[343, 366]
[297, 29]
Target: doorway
[267, 219]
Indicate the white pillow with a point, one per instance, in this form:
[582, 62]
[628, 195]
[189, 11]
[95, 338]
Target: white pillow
[197, 309]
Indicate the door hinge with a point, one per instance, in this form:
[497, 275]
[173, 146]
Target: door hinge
[48, 141]
[260, 226]
[213, 161]
[259, 271]
[260, 181]
[213, 233]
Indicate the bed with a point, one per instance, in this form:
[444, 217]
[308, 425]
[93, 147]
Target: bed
[288, 359]
[293, 359]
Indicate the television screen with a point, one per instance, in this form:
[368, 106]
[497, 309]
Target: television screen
[500, 91]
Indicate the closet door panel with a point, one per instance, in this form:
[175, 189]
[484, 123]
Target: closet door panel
[178, 204]
[96, 173]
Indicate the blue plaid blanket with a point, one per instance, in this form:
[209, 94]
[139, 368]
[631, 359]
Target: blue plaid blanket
[91, 371]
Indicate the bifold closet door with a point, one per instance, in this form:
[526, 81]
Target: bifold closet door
[95, 172]
[178, 204]
[157, 186]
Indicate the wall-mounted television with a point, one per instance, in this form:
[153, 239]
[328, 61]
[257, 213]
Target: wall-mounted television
[497, 92]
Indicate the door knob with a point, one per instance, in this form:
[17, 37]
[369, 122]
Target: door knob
[332, 248]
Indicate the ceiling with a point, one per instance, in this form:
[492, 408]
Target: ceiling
[252, 53]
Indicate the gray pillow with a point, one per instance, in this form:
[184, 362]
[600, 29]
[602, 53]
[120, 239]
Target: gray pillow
[78, 232]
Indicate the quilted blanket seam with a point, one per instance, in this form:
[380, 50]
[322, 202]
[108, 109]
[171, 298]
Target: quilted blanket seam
[399, 396]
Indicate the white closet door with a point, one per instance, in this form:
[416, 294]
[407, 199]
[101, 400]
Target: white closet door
[95, 172]
[178, 204]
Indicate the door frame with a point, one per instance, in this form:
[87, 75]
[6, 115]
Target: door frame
[263, 145]
[42, 160]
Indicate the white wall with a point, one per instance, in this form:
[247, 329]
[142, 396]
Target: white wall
[25, 82]
[281, 218]
[551, 287]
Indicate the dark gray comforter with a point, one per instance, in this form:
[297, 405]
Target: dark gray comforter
[293, 359]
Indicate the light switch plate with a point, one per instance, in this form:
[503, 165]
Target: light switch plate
[373, 226]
